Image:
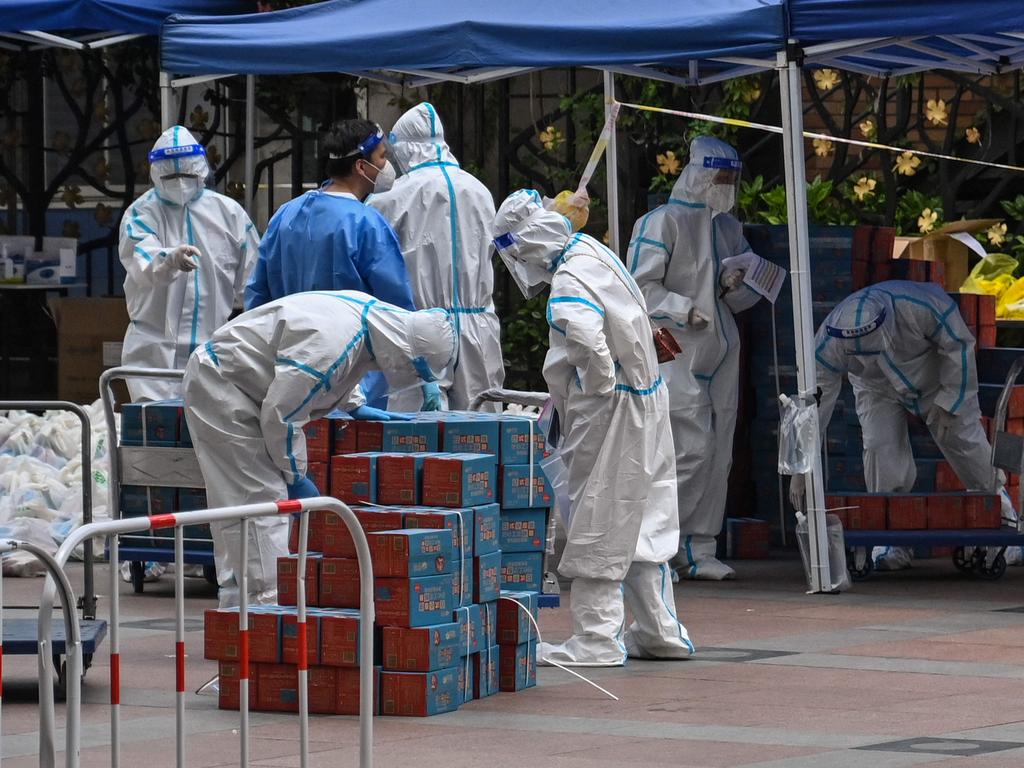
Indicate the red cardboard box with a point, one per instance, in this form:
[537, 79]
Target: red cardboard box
[986, 310]
[417, 602]
[412, 552]
[399, 478]
[369, 435]
[419, 694]
[907, 512]
[221, 635]
[347, 682]
[946, 478]
[345, 436]
[290, 639]
[339, 638]
[287, 579]
[318, 442]
[354, 478]
[336, 540]
[867, 513]
[315, 535]
[277, 688]
[945, 512]
[968, 304]
[319, 473]
[323, 690]
[339, 582]
[982, 511]
[423, 649]
[230, 685]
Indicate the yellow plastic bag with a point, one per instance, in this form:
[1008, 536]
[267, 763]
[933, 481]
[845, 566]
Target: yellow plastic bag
[1010, 306]
[991, 276]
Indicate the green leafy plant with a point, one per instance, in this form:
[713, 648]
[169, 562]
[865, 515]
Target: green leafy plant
[909, 208]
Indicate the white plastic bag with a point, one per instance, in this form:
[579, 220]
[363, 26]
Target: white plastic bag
[839, 577]
[557, 473]
[798, 437]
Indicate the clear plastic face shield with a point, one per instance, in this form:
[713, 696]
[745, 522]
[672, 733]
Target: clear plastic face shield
[370, 148]
[725, 182]
[180, 172]
[530, 278]
[867, 339]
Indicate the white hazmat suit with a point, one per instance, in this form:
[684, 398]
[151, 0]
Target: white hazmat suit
[602, 372]
[252, 387]
[187, 251]
[443, 217]
[676, 255]
[905, 349]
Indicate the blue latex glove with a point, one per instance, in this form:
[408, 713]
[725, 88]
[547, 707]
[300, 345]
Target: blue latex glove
[368, 413]
[431, 397]
[304, 489]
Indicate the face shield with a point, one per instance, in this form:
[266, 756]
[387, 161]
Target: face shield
[368, 146]
[860, 326]
[530, 239]
[530, 278]
[724, 182]
[412, 348]
[178, 170]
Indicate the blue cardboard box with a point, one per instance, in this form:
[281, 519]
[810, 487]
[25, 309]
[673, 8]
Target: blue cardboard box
[523, 530]
[470, 621]
[132, 432]
[419, 694]
[459, 480]
[412, 552]
[416, 602]
[515, 487]
[160, 421]
[514, 624]
[486, 522]
[422, 649]
[517, 666]
[465, 580]
[522, 571]
[515, 440]
[458, 520]
[467, 678]
[470, 433]
[486, 672]
[489, 623]
[488, 577]
[408, 437]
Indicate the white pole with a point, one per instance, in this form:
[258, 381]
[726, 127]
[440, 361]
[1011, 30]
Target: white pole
[166, 102]
[612, 166]
[790, 90]
[250, 144]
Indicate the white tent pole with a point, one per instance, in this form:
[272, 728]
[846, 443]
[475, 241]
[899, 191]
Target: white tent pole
[250, 144]
[790, 90]
[166, 102]
[612, 158]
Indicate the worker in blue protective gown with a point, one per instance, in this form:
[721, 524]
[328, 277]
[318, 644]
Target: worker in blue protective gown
[329, 239]
[602, 372]
[262, 377]
[905, 349]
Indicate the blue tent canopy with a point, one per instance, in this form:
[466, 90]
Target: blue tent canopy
[125, 16]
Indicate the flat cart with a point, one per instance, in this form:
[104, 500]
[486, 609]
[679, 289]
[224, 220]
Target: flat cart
[979, 550]
[151, 467]
[20, 634]
[550, 596]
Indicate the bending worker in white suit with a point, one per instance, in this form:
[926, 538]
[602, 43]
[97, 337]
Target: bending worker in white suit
[905, 349]
[187, 251]
[443, 217]
[253, 386]
[602, 372]
[676, 255]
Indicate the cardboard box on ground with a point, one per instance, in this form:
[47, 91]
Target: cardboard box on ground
[951, 244]
[90, 332]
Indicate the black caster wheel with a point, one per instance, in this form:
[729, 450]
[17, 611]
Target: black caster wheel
[995, 571]
[210, 574]
[86, 663]
[138, 570]
[859, 573]
[962, 561]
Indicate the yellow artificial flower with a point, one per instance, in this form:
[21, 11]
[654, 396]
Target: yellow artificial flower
[751, 94]
[935, 111]
[199, 118]
[826, 79]
[213, 155]
[71, 196]
[104, 215]
[868, 129]
[101, 170]
[996, 234]
[907, 164]
[551, 138]
[864, 187]
[668, 163]
[926, 221]
[973, 135]
[822, 147]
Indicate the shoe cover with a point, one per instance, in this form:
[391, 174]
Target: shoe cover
[656, 632]
[151, 571]
[892, 558]
[598, 615]
[696, 560]
[1014, 556]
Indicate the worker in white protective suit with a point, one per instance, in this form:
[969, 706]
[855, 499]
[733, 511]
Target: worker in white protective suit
[443, 217]
[252, 387]
[905, 349]
[602, 372]
[187, 251]
[678, 255]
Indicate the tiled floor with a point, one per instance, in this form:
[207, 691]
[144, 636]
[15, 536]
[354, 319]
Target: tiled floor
[922, 668]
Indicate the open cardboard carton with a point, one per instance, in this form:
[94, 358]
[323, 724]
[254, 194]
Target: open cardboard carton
[951, 244]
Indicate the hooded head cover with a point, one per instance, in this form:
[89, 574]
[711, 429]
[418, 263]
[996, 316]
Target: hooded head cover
[859, 323]
[529, 238]
[411, 347]
[710, 159]
[418, 137]
[178, 167]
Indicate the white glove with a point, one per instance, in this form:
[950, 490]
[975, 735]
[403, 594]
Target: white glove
[944, 423]
[184, 258]
[797, 492]
[697, 320]
[732, 279]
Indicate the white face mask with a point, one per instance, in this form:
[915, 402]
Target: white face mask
[721, 197]
[385, 178]
[181, 190]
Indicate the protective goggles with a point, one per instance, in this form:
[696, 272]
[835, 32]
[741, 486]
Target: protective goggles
[726, 163]
[859, 332]
[177, 153]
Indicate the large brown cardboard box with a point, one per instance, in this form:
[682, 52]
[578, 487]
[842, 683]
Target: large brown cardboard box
[951, 244]
[89, 336]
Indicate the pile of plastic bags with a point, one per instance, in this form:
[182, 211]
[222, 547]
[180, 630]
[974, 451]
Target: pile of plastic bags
[993, 276]
[41, 480]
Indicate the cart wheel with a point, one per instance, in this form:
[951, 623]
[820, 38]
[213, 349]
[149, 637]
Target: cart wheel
[138, 570]
[60, 685]
[996, 571]
[86, 662]
[978, 558]
[961, 561]
[210, 574]
[858, 573]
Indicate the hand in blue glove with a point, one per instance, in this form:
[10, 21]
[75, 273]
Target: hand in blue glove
[367, 413]
[432, 397]
[304, 489]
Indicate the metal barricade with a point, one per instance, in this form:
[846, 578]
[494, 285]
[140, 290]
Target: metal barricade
[178, 520]
[72, 640]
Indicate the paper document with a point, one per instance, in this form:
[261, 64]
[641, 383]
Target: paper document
[760, 275]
